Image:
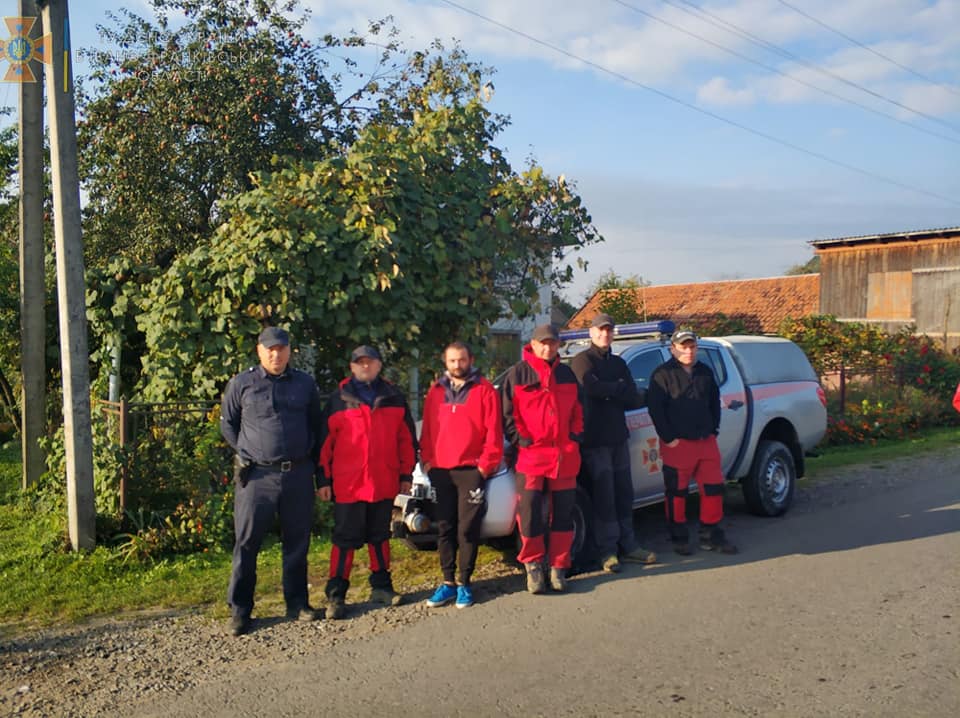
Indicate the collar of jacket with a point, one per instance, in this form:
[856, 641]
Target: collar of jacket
[599, 352]
[543, 368]
[264, 374]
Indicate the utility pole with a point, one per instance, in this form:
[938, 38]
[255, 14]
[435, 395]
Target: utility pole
[32, 289]
[71, 290]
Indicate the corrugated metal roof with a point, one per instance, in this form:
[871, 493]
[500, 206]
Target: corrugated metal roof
[912, 235]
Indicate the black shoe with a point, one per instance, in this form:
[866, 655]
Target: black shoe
[682, 548]
[336, 608]
[240, 625]
[306, 613]
[713, 539]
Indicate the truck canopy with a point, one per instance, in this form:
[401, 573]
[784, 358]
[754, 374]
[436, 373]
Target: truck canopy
[769, 360]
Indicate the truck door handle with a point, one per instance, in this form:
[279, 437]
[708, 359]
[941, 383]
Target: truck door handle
[735, 404]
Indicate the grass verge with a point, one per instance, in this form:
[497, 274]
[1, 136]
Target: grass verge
[44, 584]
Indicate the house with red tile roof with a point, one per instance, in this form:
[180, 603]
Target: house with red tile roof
[760, 304]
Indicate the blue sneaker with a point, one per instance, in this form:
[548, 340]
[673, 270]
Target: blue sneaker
[442, 595]
[464, 597]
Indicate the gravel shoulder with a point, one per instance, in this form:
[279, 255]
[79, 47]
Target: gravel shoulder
[101, 666]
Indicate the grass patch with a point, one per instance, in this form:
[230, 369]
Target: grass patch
[927, 440]
[45, 584]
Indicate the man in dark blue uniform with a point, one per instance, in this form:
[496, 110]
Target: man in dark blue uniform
[271, 416]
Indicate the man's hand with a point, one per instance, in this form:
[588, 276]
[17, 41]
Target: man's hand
[425, 467]
[324, 493]
[673, 443]
[405, 486]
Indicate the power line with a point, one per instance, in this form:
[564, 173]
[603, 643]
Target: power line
[695, 108]
[718, 21]
[771, 68]
[867, 48]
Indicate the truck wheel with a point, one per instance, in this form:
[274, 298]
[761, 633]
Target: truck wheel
[768, 489]
[582, 512]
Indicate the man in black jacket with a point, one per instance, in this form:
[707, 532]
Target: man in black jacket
[607, 390]
[684, 403]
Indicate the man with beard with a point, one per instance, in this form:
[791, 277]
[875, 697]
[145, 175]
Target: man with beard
[461, 446]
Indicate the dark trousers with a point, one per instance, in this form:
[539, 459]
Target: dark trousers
[540, 495]
[611, 490]
[269, 492]
[461, 503]
[354, 524]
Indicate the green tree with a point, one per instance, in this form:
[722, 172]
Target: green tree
[405, 240]
[611, 280]
[179, 114]
[618, 296]
[811, 266]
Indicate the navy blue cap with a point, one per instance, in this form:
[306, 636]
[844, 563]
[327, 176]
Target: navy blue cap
[272, 336]
[365, 351]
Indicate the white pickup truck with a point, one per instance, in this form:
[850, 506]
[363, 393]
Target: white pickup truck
[773, 413]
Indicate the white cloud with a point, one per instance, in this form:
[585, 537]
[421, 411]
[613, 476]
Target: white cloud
[719, 92]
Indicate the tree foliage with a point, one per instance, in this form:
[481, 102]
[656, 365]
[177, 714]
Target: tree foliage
[178, 113]
[811, 266]
[405, 239]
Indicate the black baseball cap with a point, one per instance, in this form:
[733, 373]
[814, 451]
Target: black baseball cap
[365, 351]
[684, 335]
[272, 336]
[603, 320]
[545, 332]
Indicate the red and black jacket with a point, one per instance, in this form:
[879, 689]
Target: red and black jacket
[366, 449]
[542, 417]
[462, 427]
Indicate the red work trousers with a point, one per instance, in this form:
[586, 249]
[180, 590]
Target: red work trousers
[693, 459]
[561, 497]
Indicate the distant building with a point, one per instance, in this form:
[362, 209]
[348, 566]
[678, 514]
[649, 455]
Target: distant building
[895, 280]
[761, 304]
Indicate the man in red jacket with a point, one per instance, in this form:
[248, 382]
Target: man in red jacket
[543, 421]
[461, 445]
[367, 456]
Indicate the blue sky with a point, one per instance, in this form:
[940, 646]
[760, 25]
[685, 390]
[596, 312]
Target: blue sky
[679, 195]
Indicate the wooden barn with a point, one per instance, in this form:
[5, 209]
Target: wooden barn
[894, 280]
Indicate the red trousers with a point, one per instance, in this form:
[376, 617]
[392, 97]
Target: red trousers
[699, 459]
[561, 497]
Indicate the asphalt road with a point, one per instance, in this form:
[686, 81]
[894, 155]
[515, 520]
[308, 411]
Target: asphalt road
[847, 606]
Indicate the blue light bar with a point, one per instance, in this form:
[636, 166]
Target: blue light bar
[624, 331]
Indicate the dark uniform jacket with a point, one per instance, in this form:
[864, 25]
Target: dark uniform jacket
[269, 419]
[542, 417]
[607, 390]
[684, 406]
[367, 447]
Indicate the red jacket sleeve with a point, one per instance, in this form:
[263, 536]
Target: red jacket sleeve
[427, 454]
[956, 399]
[407, 445]
[492, 453]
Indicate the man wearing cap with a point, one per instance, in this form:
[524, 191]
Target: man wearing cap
[367, 455]
[607, 390]
[543, 421]
[271, 416]
[684, 403]
[461, 445]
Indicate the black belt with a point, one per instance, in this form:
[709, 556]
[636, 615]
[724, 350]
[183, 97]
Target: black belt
[284, 466]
